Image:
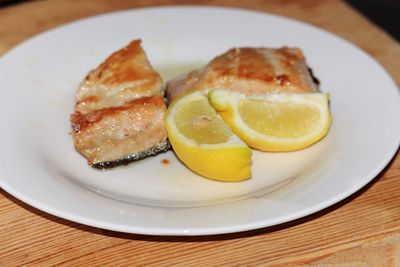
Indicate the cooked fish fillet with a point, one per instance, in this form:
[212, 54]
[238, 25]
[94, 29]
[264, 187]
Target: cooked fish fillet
[119, 113]
[251, 71]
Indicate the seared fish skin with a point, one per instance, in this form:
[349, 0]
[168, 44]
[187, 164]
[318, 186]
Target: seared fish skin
[119, 112]
[252, 71]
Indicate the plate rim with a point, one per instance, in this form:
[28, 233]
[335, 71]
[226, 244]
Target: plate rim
[215, 230]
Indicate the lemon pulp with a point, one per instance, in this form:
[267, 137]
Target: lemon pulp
[287, 120]
[196, 121]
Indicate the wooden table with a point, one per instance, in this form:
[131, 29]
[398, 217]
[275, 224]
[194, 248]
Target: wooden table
[363, 230]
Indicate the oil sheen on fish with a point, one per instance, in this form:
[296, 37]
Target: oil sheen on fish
[252, 71]
[119, 112]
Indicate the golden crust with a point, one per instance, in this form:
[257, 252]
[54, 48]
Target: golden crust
[120, 108]
[125, 75]
[251, 71]
[126, 65]
[115, 133]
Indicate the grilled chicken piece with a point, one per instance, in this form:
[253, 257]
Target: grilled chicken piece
[119, 113]
[252, 71]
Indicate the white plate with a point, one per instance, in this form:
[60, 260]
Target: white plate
[38, 80]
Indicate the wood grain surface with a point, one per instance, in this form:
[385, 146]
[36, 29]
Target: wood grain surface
[363, 230]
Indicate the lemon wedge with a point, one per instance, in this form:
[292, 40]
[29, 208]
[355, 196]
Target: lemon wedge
[203, 142]
[275, 122]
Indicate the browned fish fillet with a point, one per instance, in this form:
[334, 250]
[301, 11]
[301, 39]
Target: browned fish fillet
[251, 71]
[119, 113]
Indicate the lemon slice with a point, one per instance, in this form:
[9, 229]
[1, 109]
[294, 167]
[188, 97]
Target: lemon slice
[203, 142]
[275, 122]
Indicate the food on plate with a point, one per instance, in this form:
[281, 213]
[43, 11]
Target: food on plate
[119, 112]
[262, 98]
[203, 142]
[270, 98]
[275, 122]
[253, 71]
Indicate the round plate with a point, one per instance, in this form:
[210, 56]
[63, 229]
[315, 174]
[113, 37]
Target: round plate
[40, 166]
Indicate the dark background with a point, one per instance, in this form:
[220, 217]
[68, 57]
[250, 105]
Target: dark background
[385, 13]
